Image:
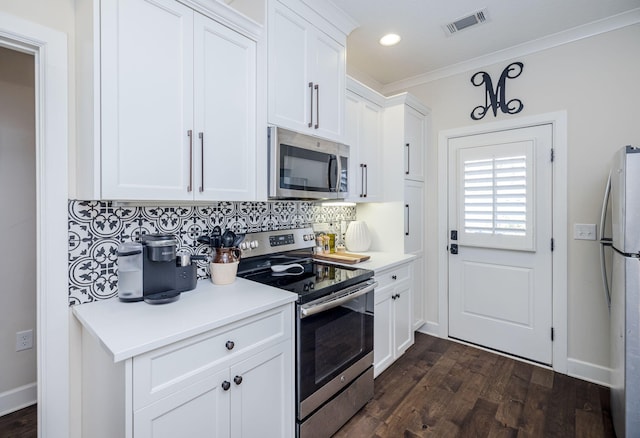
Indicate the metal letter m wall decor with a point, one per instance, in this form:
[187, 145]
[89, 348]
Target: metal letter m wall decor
[495, 99]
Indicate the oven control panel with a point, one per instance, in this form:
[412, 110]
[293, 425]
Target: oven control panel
[271, 242]
[283, 239]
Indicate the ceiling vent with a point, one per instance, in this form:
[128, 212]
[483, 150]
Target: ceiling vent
[474, 19]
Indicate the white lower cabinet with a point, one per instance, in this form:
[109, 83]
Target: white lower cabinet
[234, 381]
[247, 399]
[393, 326]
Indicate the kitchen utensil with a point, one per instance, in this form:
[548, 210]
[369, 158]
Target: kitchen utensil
[238, 240]
[216, 235]
[205, 239]
[292, 268]
[227, 238]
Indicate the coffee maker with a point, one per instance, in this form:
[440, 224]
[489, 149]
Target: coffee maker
[151, 271]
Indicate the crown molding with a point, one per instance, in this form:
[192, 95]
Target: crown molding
[568, 36]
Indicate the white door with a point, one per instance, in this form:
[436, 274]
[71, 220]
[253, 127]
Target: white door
[500, 207]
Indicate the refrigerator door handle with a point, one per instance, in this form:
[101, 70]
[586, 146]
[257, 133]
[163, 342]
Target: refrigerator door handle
[605, 241]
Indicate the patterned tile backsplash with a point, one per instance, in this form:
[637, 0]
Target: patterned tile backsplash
[97, 228]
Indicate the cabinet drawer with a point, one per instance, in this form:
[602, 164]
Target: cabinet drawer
[166, 370]
[393, 275]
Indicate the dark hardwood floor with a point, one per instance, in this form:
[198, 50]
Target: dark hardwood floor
[20, 424]
[440, 388]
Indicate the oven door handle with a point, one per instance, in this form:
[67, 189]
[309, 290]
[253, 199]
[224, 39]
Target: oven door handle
[313, 308]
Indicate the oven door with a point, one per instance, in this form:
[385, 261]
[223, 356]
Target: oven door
[334, 345]
[305, 167]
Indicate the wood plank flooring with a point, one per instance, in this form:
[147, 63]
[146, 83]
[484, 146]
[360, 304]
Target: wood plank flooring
[444, 389]
[440, 388]
[20, 424]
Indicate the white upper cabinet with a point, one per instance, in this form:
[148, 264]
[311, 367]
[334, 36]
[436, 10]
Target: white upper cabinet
[167, 103]
[225, 153]
[414, 144]
[306, 68]
[364, 112]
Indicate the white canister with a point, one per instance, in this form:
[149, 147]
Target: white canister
[357, 236]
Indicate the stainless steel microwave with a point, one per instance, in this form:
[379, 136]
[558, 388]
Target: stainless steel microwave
[306, 167]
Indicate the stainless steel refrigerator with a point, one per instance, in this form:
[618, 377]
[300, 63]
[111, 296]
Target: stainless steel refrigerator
[622, 197]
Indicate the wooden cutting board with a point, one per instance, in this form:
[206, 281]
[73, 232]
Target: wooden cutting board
[342, 257]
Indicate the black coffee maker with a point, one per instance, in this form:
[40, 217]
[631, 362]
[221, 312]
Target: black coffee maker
[164, 275]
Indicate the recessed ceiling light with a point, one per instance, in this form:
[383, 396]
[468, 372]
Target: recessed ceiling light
[390, 39]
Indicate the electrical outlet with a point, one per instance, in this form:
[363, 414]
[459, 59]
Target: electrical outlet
[584, 231]
[24, 340]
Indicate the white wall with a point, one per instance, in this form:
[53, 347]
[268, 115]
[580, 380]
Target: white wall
[597, 81]
[18, 223]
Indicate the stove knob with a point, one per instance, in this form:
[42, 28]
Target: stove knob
[253, 244]
[312, 286]
[244, 245]
[305, 287]
[305, 237]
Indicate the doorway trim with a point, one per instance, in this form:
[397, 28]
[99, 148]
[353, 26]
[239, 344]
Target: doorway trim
[49, 48]
[558, 121]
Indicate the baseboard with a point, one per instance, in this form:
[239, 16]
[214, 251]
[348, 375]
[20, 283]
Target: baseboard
[18, 398]
[430, 328]
[589, 372]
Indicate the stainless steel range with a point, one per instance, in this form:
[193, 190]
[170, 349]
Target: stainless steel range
[334, 326]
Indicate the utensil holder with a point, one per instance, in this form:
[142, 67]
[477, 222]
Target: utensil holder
[223, 273]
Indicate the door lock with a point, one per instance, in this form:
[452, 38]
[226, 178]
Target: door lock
[453, 248]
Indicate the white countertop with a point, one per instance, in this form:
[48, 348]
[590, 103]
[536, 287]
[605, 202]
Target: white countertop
[129, 329]
[382, 260]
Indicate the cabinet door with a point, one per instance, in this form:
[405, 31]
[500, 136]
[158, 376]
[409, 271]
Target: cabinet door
[403, 318]
[418, 293]
[383, 349]
[225, 113]
[328, 75]
[370, 150]
[415, 135]
[147, 99]
[201, 409]
[413, 217]
[352, 139]
[262, 395]
[289, 94]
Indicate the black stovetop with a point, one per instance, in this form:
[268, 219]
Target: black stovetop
[317, 280]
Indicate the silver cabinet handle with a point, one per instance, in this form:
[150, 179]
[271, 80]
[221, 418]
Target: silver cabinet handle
[190, 135]
[201, 135]
[317, 88]
[362, 180]
[311, 106]
[408, 162]
[406, 233]
[366, 180]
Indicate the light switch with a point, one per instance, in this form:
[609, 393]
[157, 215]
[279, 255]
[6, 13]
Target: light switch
[584, 231]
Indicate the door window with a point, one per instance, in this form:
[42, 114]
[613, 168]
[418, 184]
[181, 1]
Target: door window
[496, 206]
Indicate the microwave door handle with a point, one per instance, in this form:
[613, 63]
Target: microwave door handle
[333, 159]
